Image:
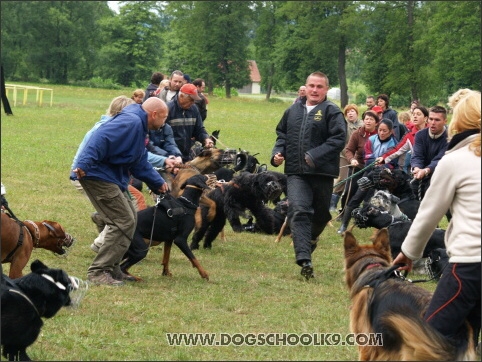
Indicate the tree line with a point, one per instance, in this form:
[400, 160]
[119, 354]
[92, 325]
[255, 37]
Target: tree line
[422, 50]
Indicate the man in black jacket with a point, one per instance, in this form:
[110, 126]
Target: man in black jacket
[310, 137]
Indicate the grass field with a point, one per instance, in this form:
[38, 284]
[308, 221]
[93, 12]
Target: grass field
[255, 286]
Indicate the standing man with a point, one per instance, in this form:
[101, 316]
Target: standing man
[186, 122]
[429, 146]
[202, 104]
[115, 150]
[176, 81]
[301, 94]
[310, 136]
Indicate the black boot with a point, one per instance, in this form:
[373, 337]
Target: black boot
[345, 220]
[334, 202]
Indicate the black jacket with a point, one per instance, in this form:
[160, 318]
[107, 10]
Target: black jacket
[319, 134]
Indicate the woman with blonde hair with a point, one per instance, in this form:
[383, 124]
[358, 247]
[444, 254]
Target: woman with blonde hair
[455, 185]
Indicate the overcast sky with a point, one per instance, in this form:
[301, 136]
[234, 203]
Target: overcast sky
[114, 5]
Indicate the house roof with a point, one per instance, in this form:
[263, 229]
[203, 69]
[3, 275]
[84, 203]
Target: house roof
[254, 72]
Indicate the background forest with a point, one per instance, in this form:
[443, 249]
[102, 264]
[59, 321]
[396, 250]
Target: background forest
[408, 49]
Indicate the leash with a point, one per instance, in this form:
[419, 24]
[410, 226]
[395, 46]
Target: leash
[403, 275]
[355, 174]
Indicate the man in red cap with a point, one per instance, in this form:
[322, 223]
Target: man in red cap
[186, 122]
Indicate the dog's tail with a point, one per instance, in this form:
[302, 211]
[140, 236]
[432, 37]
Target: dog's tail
[420, 342]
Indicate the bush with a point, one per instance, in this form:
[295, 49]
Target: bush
[221, 92]
[98, 82]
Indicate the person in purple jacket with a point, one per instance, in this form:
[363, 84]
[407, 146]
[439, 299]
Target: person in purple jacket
[114, 151]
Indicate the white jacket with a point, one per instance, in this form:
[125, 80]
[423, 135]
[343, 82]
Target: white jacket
[455, 184]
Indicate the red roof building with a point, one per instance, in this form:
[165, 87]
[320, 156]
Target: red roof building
[255, 86]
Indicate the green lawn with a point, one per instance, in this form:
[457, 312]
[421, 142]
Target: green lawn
[255, 286]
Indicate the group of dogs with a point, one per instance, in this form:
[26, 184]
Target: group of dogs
[204, 195]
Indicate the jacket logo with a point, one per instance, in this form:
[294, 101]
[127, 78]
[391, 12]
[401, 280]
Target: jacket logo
[318, 115]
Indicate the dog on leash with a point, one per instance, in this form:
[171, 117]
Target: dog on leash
[26, 300]
[387, 305]
[372, 216]
[244, 192]
[171, 220]
[19, 238]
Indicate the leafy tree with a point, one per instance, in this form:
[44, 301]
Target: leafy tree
[219, 52]
[268, 28]
[55, 40]
[132, 43]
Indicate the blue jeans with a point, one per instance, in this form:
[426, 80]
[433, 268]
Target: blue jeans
[308, 211]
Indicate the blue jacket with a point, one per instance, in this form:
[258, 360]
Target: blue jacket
[162, 143]
[117, 148]
[186, 124]
[428, 151]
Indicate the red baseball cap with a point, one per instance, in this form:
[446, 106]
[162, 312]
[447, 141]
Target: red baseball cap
[376, 109]
[191, 90]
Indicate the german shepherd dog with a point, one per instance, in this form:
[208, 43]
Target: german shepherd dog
[386, 304]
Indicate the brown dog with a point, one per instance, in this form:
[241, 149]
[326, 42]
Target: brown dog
[19, 239]
[389, 306]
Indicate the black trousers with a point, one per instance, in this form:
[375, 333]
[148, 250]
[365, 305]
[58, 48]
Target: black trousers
[308, 210]
[456, 299]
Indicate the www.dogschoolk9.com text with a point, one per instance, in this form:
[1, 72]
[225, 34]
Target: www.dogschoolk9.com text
[274, 339]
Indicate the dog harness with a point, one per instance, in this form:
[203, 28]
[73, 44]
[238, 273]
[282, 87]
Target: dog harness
[19, 242]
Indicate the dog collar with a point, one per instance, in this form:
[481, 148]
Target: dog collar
[37, 233]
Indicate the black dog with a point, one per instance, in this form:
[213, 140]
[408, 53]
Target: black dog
[246, 191]
[25, 301]
[171, 220]
[372, 216]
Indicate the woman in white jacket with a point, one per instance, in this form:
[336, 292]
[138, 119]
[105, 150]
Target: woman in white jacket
[455, 185]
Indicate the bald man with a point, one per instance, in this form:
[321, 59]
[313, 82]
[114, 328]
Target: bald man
[114, 152]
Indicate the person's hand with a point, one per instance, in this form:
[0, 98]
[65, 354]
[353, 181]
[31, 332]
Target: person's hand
[208, 143]
[278, 159]
[420, 173]
[170, 162]
[354, 163]
[402, 259]
[79, 173]
[309, 161]
[379, 160]
[164, 188]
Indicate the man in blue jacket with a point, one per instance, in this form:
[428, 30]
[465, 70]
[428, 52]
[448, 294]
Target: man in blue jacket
[114, 151]
[310, 136]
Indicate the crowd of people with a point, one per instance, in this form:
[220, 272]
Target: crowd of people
[319, 145]
[153, 129]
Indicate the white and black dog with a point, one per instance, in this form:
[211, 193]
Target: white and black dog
[28, 299]
[171, 220]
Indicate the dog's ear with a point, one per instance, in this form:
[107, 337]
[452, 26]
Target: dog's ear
[382, 242]
[350, 243]
[37, 265]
